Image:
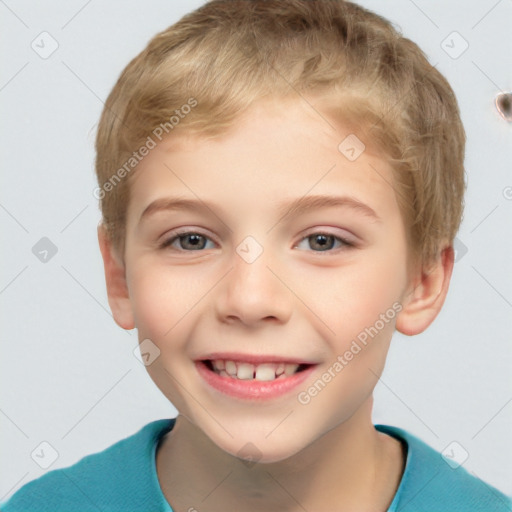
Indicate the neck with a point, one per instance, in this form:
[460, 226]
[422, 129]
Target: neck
[351, 467]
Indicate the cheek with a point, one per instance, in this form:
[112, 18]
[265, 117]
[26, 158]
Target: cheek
[161, 297]
[361, 309]
[356, 297]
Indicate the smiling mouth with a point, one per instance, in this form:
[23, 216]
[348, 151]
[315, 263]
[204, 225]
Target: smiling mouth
[264, 372]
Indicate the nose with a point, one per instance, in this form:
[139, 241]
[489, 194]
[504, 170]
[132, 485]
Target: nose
[253, 293]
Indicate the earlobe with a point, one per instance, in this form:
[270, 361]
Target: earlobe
[427, 294]
[115, 278]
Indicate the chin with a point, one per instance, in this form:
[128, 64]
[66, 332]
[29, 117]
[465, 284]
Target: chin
[253, 451]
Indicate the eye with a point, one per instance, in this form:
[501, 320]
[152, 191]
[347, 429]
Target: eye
[321, 242]
[187, 241]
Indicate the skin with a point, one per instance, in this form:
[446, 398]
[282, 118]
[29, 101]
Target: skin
[294, 300]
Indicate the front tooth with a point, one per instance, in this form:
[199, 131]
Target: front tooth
[280, 369]
[245, 371]
[290, 369]
[231, 368]
[266, 372]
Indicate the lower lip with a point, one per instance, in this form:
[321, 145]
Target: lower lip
[252, 389]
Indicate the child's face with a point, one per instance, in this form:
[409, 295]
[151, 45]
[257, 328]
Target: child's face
[302, 300]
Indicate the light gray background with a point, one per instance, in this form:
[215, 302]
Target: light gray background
[68, 373]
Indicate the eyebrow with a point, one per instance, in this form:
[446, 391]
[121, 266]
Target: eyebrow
[300, 205]
[307, 203]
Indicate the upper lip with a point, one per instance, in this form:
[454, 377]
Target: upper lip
[254, 358]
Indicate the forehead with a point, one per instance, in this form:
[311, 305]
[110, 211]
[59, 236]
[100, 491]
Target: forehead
[277, 149]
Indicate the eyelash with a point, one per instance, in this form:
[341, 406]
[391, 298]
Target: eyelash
[345, 244]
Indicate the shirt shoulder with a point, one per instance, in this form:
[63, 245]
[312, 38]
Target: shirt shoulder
[433, 483]
[117, 478]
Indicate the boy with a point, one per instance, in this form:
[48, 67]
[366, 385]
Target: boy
[280, 183]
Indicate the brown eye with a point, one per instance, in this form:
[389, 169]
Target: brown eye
[192, 241]
[321, 242]
[324, 242]
[189, 241]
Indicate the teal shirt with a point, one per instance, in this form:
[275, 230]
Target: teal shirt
[123, 478]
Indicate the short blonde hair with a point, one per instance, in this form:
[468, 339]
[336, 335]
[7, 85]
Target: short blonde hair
[201, 73]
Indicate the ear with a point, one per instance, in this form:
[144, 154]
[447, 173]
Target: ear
[115, 277]
[426, 296]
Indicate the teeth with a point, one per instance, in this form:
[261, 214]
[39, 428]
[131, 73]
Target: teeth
[219, 364]
[245, 371]
[266, 372]
[231, 368]
[290, 369]
[262, 372]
